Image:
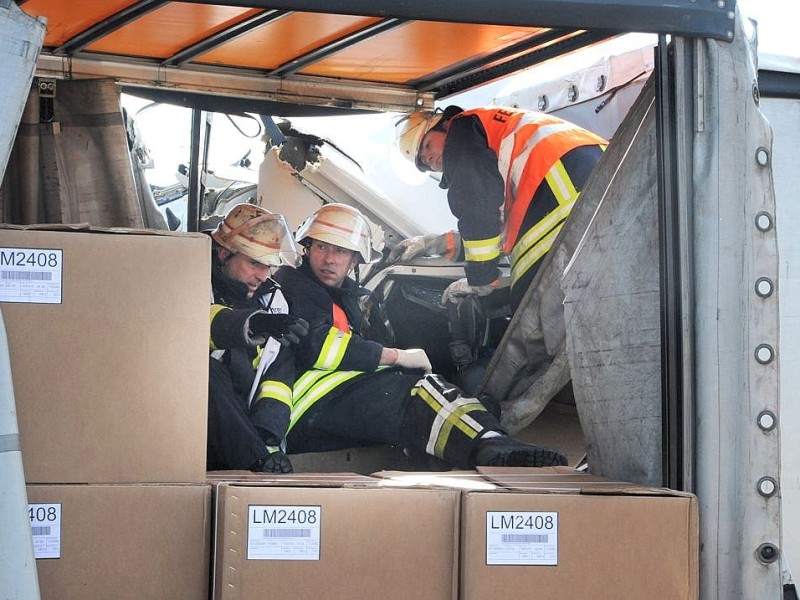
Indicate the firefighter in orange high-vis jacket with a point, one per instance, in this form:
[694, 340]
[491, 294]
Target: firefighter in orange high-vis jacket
[512, 177]
[251, 356]
[352, 391]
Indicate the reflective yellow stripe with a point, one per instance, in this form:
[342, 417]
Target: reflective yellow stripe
[561, 184]
[313, 385]
[257, 359]
[482, 250]
[332, 353]
[306, 380]
[520, 267]
[449, 415]
[539, 231]
[215, 310]
[276, 390]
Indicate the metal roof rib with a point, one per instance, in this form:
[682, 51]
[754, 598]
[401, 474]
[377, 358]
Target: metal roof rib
[466, 78]
[106, 26]
[326, 50]
[692, 19]
[455, 72]
[222, 37]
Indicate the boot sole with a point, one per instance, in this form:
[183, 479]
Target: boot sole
[539, 457]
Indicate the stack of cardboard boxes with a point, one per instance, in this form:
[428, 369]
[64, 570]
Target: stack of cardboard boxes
[505, 533]
[108, 333]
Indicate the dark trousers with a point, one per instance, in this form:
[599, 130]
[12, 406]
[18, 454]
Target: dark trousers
[233, 442]
[403, 409]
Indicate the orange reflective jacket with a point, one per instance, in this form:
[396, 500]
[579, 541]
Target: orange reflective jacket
[527, 145]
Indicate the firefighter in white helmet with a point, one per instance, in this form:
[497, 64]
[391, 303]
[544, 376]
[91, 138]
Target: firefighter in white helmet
[251, 357]
[512, 177]
[352, 391]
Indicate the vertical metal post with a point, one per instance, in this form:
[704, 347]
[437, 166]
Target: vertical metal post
[670, 269]
[195, 204]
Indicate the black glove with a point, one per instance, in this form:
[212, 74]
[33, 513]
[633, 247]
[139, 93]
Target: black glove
[276, 462]
[287, 329]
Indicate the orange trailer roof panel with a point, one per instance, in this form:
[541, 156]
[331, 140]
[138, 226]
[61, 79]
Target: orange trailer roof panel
[169, 29]
[67, 19]
[417, 49]
[285, 39]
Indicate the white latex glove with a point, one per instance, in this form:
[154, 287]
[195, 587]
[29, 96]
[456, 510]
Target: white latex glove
[414, 358]
[460, 288]
[433, 244]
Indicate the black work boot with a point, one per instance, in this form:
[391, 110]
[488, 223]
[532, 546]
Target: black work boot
[505, 451]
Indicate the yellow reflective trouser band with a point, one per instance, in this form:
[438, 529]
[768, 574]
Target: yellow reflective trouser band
[482, 250]
[448, 415]
[520, 267]
[333, 349]
[215, 310]
[276, 391]
[313, 385]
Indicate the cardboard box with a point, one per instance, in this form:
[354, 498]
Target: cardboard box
[108, 337]
[310, 538]
[569, 535]
[121, 541]
[363, 460]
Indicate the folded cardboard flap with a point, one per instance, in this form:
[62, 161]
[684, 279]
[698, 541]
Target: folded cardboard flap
[245, 478]
[566, 480]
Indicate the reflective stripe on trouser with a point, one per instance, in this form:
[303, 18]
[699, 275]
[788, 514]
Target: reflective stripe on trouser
[394, 407]
[453, 421]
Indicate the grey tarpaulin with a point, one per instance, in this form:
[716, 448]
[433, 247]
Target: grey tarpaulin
[71, 162]
[536, 357]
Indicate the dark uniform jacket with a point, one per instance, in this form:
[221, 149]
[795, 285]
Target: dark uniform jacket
[232, 344]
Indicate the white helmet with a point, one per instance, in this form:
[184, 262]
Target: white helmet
[258, 234]
[341, 225]
[410, 130]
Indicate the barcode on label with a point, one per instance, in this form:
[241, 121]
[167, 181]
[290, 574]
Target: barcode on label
[40, 530]
[521, 538]
[27, 275]
[287, 533]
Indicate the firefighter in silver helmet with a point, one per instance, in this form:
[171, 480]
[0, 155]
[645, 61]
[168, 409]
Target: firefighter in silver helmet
[352, 391]
[251, 366]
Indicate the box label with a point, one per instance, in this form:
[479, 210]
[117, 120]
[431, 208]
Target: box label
[31, 275]
[521, 538]
[45, 530]
[283, 532]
